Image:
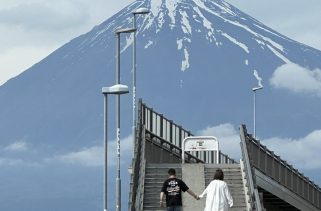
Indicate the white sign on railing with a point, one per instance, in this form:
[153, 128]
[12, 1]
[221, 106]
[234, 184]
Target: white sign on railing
[200, 143]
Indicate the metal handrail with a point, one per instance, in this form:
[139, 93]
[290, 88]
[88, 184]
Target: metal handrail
[255, 199]
[175, 150]
[136, 164]
[136, 197]
[168, 130]
[140, 189]
[138, 168]
[280, 169]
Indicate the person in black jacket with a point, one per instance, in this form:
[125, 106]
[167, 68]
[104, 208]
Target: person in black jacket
[173, 188]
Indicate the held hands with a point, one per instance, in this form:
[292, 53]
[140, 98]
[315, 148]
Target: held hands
[195, 196]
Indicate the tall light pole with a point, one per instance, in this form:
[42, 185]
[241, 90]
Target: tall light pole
[118, 180]
[139, 11]
[116, 90]
[254, 107]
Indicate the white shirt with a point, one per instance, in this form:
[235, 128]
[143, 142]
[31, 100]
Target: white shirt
[218, 196]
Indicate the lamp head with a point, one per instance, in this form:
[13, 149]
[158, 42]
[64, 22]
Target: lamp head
[141, 11]
[117, 89]
[125, 30]
[257, 88]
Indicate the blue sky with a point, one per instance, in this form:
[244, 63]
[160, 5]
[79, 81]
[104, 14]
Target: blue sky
[26, 38]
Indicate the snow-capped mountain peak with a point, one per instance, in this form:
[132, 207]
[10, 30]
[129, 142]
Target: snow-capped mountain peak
[197, 62]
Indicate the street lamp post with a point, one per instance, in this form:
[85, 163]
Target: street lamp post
[118, 180]
[254, 107]
[139, 11]
[118, 90]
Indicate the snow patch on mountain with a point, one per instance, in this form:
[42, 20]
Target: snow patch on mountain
[155, 6]
[206, 23]
[185, 62]
[271, 32]
[258, 78]
[186, 27]
[217, 13]
[156, 10]
[179, 44]
[278, 54]
[235, 23]
[128, 42]
[149, 43]
[224, 9]
[233, 40]
[171, 7]
[275, 44]
[161, 21]
[181, 41]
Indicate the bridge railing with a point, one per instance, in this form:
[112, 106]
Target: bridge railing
[170, 148]
[248, 170]
[142, 166]
[166, 129]
[158, 130]
[279, 170]
[136, 193]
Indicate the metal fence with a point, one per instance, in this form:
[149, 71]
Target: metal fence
[255, 201]
[136, 194]
[159, 150]
[279, 170]
[135, 176]
[154, 129]
[167, 130]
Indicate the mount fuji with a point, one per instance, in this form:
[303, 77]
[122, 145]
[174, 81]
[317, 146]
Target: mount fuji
[197, 62]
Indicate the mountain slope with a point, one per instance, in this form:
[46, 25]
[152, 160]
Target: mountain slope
[209, 43]
[195, 64]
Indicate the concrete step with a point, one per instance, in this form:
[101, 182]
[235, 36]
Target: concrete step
[156, 174]
[233, 178]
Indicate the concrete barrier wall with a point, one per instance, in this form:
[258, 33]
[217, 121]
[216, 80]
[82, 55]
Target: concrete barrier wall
[193, 175]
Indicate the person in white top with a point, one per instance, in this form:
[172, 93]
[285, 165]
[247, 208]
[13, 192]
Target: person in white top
[218, 197]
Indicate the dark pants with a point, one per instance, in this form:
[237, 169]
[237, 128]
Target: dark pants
[174, 208]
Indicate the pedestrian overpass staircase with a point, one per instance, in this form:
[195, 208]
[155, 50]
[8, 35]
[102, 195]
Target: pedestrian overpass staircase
[156, 174]
[261, 181]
